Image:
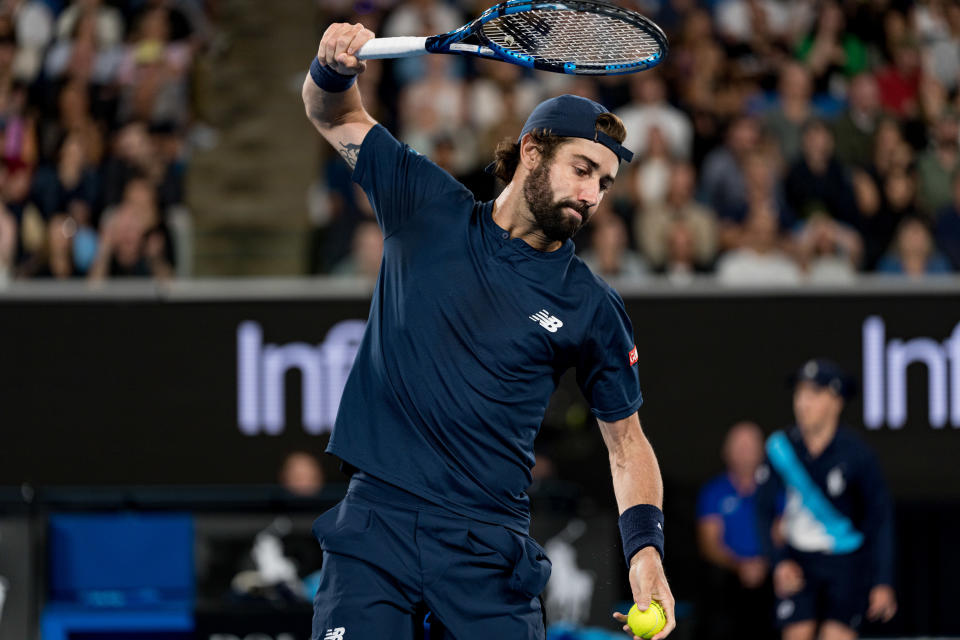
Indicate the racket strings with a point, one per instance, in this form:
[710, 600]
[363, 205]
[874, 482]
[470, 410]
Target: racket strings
[584, 38]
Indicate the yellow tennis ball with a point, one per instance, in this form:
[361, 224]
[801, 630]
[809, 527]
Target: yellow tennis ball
[647, 624]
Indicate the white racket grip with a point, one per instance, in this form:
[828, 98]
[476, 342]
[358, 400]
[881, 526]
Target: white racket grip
[404, 47]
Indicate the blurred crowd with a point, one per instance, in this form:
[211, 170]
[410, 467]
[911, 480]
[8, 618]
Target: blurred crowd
[782, 141]
[97, 111]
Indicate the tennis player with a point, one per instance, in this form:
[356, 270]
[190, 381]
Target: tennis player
[478, 310]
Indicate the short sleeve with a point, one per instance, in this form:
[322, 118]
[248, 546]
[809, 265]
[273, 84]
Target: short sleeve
[398, 181]
[708, 502]
[607, 371]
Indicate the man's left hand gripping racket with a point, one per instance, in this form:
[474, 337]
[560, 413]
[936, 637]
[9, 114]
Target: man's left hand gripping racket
[583, 37]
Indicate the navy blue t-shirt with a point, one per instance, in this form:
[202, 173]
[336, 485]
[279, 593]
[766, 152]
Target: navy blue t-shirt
[468, 335]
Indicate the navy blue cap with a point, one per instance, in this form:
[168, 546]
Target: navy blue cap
[573, 117]
[827, 374]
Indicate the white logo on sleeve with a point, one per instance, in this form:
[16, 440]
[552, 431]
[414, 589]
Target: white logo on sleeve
[335, 634]
[547, 321]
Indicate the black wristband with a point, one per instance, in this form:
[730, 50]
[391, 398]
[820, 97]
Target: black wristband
[328, 79]
[641, 526]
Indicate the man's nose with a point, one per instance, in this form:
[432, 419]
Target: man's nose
[590, 193]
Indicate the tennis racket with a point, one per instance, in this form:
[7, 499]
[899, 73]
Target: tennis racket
[583, 37]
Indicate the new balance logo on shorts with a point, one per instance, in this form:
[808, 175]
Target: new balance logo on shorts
[632, 356]
[547, 321]
[335, 634]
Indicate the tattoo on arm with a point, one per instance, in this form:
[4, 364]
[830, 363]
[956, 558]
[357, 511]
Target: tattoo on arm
[350, 151]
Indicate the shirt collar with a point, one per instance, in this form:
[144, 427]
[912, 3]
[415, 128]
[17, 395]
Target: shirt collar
[502, 236]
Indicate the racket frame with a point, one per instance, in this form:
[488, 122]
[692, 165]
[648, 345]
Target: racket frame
[452, 42]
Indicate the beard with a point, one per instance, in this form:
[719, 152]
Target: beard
[550, 218]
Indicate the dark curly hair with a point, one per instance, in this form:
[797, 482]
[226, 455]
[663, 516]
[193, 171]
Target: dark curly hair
[507, 154]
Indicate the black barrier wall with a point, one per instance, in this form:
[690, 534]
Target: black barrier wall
[147, 392]
[167, 391]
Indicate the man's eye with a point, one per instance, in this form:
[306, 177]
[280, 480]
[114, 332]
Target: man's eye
[580, 172]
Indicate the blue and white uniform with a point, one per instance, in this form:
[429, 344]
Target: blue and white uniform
[468, 335]
[837, 523]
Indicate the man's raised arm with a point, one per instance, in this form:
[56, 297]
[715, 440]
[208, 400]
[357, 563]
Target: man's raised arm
[330, 95]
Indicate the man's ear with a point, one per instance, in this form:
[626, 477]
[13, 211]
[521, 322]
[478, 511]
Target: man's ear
[530, 153]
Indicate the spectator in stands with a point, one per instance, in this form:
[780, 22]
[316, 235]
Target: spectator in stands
[649, 110]
[75, 116]
[737, 578]
[891, 152]
[20, 129]
[899, 83]
[301, 474]
[913, 253]
[722, 182]
[760, 260]
[937, 165]
[71, 247]
[944, 52]
[434, 105]
[364, 260]
[86, 53]
[831, 53]
[947, 231]
[830, 251]
[898, 196]
[699, 70]
[681, 263]
[651, 173]
[134, 154]
[757, 31]
[34, 27]
[854, 129]
[818, 180]
[652, 222]
[785, 121]
[763, 188]
[71, 179]
[154, 72]
[169, 154]
[134, 240]
[8, 52]
[187, 21]
[499, 97]
[609, 255]
[17, 192]
[419, 17]
[108, 22]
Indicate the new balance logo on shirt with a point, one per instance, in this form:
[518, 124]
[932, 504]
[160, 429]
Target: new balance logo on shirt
[335, 634]
[547, 321]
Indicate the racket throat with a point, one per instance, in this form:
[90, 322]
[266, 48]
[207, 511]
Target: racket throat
[473, 49]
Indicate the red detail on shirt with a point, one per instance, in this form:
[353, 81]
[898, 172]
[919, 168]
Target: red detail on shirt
[634, 358]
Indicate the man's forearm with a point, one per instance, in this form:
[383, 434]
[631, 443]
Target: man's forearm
[635, 471]
[330, 109]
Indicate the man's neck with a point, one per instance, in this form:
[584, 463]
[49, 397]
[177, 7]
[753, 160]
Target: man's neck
[743, 482]
[511, 213]
[817, 438]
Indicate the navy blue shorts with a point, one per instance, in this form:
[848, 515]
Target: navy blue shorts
[836, 587]
[386, 555]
